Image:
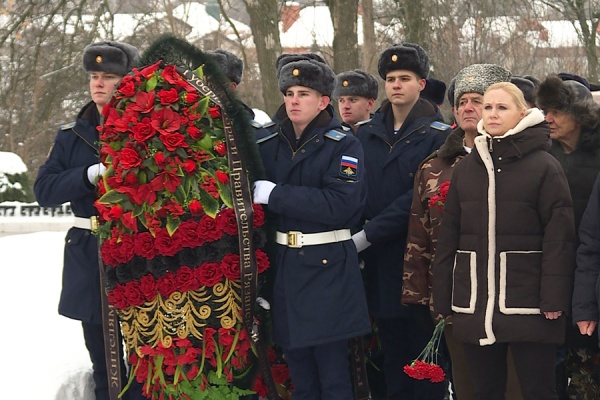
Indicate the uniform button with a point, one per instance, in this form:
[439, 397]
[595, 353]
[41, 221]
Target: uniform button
[499, 169]
[499, 158]
[317, 140]
[324, 261]
[411, 174]
[303, 151]
[407, 141]
[69, 241]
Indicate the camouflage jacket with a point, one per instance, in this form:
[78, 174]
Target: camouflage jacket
[426, 217]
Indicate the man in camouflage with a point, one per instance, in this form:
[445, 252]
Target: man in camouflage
[431, 184]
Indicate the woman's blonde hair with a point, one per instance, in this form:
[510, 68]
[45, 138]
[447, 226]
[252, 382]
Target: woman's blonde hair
[513, 91]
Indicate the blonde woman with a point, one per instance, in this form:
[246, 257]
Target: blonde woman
[504, 270]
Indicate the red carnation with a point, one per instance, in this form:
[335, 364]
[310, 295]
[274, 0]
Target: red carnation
[262, 261]
[227, 221]
[167, 245]
[127, 86]
[231, 267]
[148, 287]
[143, 245]
[143, 130]
[209, 274]
[209, 230]
[166, 284]
[168, 96]
[129, 158]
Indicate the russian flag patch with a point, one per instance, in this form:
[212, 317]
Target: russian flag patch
[349, 167]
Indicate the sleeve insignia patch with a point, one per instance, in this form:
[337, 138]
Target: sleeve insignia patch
[349, 167]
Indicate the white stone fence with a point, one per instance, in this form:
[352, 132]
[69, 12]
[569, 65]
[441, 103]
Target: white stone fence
[18, 217]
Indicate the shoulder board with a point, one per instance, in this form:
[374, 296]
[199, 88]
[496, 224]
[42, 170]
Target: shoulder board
[264, 139]
[255, 124]
[335, 135]
[440, 126]
[268, 124]
[67, 126]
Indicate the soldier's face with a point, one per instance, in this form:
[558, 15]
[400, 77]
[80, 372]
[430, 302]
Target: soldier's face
[101, 87]
[303, 104]
[468, 113]
[403, 87]
[354, 109]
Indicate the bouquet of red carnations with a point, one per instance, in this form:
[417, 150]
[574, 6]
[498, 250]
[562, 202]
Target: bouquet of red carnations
[426, 366]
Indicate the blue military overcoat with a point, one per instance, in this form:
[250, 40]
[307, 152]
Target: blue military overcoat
[392, 161]
[61, 179]
[318, 294]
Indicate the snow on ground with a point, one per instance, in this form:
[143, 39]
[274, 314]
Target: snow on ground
[44, 355]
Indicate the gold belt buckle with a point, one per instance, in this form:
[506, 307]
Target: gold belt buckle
[94, 223]
[292, 239]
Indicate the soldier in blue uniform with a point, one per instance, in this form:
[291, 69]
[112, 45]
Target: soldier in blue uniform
[356, 93]
[316, 189]
[70, 174]
[404, 131]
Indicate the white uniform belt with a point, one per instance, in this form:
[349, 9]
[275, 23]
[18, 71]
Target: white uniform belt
[296, 240]
[90, 224]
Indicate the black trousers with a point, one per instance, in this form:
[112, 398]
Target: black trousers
[321, 372]
[534, 363]
[94, 341]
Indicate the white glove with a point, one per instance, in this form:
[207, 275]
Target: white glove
[262, 191]
[360, 241]
[94, 172]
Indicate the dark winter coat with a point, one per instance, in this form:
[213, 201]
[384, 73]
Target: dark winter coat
[586, 294]
[581, 168]
[510, 257]
[425, 218]
[318, 294]
[391, 163]
[61, 179]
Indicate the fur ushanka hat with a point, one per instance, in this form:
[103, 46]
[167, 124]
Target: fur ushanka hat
[570, 97]
[305, 72]
[112, 57]
[435, 90]
[288, 58]
[356, 83]
[231, 64]
[407, 56]
[476, 78]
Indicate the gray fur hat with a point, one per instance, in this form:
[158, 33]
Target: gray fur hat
[476, 78]
[309, 73]
[288, 58]
[231, 64]
[356, 83]
[568, 96]
[112, 57]
[408, 56]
